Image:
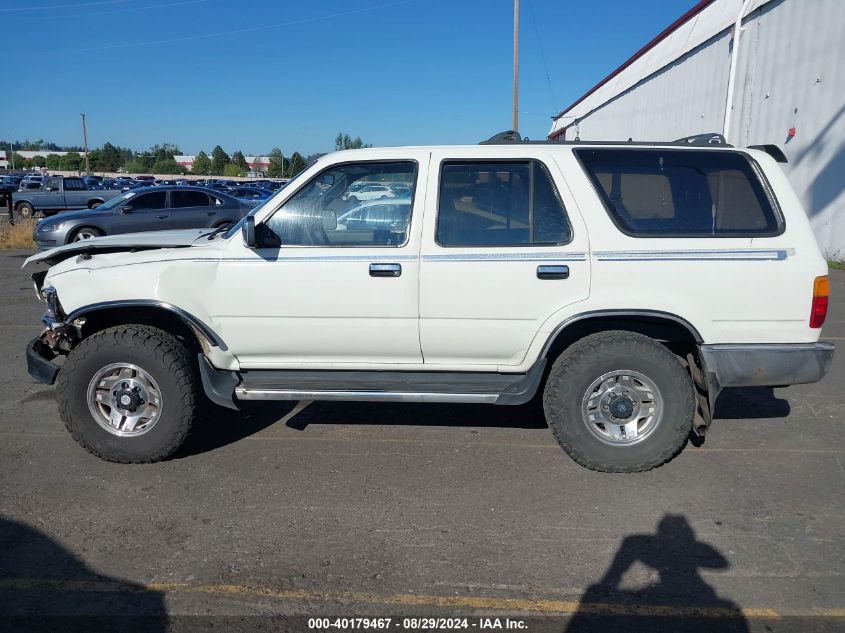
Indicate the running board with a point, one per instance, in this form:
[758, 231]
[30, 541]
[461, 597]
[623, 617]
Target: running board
[390, 386]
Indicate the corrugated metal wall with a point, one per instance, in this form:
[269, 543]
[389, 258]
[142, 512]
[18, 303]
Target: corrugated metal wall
[791, 74]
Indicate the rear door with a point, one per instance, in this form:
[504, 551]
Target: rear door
[503, 249]
[192, 209]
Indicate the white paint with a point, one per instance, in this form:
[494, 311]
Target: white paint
[474, 314]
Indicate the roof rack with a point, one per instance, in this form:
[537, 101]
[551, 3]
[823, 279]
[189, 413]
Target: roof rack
[510, 137]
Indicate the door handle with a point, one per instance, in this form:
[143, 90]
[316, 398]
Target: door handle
[552, 272]
[385, 270]
[163, 217]
[211, 213]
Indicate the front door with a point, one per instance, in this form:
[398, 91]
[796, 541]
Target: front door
[142, 212]
[503, 250]
[322, 290]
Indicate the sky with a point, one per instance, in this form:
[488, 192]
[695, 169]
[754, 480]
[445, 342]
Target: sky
[258, 74]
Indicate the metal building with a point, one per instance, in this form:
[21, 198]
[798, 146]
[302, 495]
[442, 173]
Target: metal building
[780, 80]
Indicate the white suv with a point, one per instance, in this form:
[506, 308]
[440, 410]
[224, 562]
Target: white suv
[626, 284]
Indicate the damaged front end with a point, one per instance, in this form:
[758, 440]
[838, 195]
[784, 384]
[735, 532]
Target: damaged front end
[57, 339]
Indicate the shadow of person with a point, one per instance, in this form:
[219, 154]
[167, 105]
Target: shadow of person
[45, 587]
[677, 600]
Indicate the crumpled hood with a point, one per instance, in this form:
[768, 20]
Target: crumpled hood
[117, 243]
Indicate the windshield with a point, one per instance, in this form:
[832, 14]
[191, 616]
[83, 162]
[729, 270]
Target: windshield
[116, 201]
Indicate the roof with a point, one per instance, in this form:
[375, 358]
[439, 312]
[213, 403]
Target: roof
[703, 21]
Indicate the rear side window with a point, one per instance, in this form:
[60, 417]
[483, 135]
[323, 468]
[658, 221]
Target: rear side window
[499, 204]
[182, 199]
[75, 184]
[681, 193]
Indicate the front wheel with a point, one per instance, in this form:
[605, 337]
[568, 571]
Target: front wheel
[619, 402]
[85, 233]
[25, 211]
[129, 394]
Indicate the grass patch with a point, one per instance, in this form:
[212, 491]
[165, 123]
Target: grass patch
[17, 236]
[835, 265]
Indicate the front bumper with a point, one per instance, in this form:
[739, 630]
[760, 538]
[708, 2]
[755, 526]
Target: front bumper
[765, 365]
[39, 362]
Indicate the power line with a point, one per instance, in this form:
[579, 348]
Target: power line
[96, 13]
[542, 53]
[227, 33]
[64, 6]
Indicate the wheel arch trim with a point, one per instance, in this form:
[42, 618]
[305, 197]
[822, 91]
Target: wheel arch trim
[195, 323]
[593, 314]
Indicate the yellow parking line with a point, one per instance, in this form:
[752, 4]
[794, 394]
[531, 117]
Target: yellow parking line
[541, 606]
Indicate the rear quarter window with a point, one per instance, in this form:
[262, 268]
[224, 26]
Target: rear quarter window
[682, 193]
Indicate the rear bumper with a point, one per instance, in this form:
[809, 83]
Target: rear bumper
[766, 365]
[38, 362]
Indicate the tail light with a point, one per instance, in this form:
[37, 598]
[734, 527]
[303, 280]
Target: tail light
[821, 292]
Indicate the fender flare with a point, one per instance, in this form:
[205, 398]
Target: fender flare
[653, 314]
[195, 323]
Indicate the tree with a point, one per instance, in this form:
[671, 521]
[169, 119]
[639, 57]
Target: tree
[239, 159]
[167, 166]
[297, 164]
[53, 161]
[344, 141]
[219, 160]
[39, 161]
[135, 167]
[19, 161]
[71, 161]
[277, 164]
[232, 170]
[202, 164]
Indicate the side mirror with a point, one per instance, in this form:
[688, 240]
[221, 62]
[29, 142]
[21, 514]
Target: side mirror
[124, 209]
[326, 179]
[248, 232]
[49, 189]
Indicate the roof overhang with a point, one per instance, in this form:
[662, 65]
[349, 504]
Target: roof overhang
[702, 22]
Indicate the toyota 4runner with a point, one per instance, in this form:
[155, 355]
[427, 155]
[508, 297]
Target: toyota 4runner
[624, 284]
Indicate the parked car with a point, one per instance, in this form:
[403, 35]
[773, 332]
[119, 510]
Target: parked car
[624, 283]
[249, 194]
[58, 193]
[369, 191]
[146, 209]
[148, 179]
[8, 185]
[390, 216]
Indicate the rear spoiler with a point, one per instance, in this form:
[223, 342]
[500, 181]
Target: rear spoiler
[772, 150]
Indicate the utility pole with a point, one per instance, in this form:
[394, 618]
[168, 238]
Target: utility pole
[12, 149]
[85, 143]
[516, 65]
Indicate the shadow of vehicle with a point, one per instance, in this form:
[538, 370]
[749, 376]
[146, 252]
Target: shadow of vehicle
[45, 587]
[676, 598]
[750, 403]
[528, 416]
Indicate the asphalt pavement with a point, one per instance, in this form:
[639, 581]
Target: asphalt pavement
[410, 510]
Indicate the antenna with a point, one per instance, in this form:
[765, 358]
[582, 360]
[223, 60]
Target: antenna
[515, 64]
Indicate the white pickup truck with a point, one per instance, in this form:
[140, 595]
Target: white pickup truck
[624, 283]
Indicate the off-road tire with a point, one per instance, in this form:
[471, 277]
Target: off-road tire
[586, 360]
[160, 354]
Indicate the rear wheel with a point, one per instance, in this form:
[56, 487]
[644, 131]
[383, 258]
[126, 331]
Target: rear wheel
[85, 233]
[94, 205]
[129, 394]
[619, 402]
